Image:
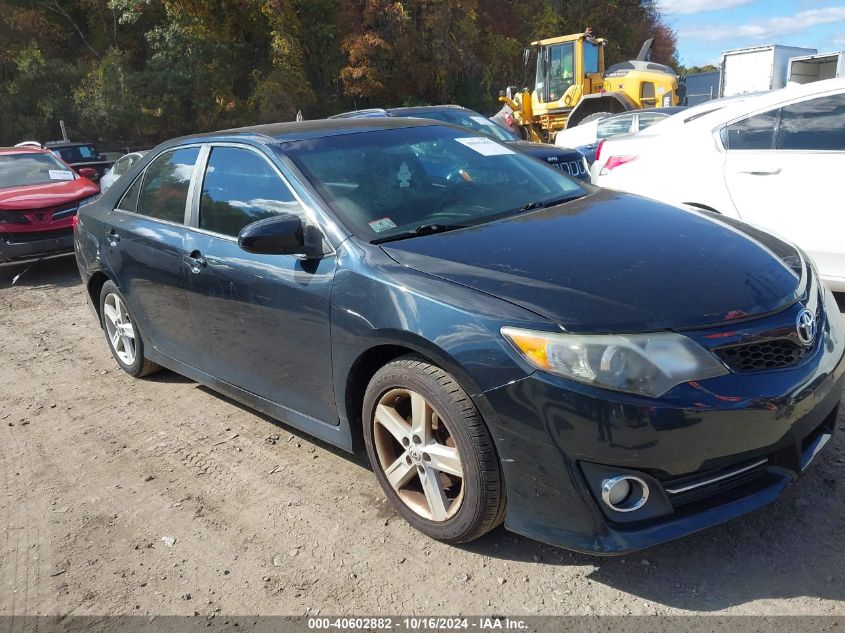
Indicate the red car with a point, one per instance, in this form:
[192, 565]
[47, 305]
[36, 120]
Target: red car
[39, 197]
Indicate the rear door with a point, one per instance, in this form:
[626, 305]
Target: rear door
[783, 170]
[263, 320]
[143, 247]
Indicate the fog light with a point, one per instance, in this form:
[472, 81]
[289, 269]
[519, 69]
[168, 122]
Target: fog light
[624, 493]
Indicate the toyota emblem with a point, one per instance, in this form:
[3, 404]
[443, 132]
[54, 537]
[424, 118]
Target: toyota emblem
[805, 325]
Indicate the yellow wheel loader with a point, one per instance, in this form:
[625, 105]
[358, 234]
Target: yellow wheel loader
[572, 86]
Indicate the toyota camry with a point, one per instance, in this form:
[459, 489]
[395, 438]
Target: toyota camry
[509, 345]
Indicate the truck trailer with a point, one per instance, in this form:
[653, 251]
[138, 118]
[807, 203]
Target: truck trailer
[809, 68]
[757, 68]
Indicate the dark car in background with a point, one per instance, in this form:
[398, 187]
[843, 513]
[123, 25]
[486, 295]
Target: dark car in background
[569, 161]
[599, 371]
[39, 197]
[81, 156]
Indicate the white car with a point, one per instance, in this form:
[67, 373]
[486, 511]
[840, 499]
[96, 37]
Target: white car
[773, 160]
[120, 167]
[585, 136]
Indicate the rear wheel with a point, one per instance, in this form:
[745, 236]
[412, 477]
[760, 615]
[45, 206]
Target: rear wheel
[431, 451]
[123, 337]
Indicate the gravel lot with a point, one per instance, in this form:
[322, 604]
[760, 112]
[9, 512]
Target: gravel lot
[98, 472]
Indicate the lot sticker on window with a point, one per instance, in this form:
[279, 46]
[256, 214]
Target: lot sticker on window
[482, 120]
[484, 146]
[60, 174]
[384, 224]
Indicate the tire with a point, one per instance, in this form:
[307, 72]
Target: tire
[594, 116]
[474, 501]
[127, 349]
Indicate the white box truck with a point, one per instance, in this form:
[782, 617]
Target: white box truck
[757, 68]
[809, 68]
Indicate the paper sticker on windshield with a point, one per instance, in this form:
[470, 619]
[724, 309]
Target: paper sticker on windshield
[482, 120]
[60, 174]
[484, 146]
[384, 224]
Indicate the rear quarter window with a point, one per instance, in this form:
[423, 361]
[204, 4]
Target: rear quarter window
[753, 133]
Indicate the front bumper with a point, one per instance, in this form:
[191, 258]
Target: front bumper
[549, 432]
[23, 247]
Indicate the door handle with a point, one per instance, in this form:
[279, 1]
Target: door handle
[112, 238]
[763, 172]
[196, 262]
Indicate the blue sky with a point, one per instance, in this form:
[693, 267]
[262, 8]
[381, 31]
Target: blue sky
[707, 27]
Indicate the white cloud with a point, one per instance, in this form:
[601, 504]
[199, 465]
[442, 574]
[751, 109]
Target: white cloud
[767, 29]
[839, 40]
[685, 7]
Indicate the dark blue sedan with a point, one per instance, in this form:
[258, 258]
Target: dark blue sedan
[595, 370]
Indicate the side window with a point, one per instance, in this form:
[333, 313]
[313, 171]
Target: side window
[120, 167]
[647, 119]
[591, 58]
[240, 188]
[756, 132]
[129, 201]
[612, 126]
[165, 188]
[817, 124]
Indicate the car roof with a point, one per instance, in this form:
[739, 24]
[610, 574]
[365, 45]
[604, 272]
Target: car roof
[407, 110]
[7, 151]
[300, 130]
[52, 144]
[404, 111]
[740, 105]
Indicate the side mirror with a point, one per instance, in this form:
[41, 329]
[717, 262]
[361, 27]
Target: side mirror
[280, 235]
[526, 56]
[89, 172]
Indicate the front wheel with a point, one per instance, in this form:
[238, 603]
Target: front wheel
[123, 337]
[431, 451]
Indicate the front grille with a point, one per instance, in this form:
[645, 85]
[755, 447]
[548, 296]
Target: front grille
[35, 236]
[763, 355]
[49, 214]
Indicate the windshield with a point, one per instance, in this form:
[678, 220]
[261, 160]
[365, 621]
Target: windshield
[78, 153]
[385, 183]
[468, 119]
[561, 70]
[20, 170]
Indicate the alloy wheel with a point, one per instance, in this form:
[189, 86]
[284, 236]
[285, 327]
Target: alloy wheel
[418, 455]
[119, 328]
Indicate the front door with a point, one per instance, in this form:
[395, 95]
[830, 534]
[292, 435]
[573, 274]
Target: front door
[143, 246]
[782, 170]
[263, 320]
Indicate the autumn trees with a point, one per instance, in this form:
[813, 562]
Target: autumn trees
[137, 71]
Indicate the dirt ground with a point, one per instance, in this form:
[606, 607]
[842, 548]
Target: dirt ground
[98, 472]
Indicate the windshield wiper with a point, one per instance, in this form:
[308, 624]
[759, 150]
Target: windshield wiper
[549, 203]
[422, 229]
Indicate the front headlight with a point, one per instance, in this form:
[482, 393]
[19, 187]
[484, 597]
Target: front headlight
[644, 364]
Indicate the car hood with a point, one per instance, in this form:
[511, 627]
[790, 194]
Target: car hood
[612, 262]
[46, 195]
[544, 150]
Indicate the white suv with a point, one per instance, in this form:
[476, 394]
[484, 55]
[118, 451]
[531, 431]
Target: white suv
[774, 160]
